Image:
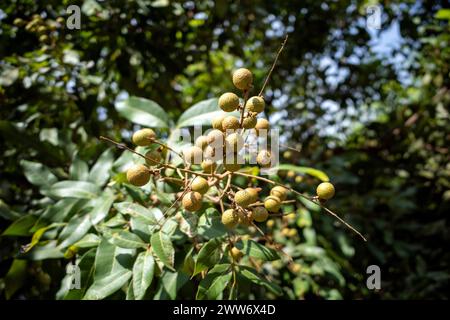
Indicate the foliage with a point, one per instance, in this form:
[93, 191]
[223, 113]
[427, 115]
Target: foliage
[57, 96]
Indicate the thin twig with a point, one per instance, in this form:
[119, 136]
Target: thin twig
[273, 65]
[305, 197]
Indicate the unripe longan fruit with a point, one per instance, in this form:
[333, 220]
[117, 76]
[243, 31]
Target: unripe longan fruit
[192, 201]
[253, 192]
[230, 123]
[292, 233]
[229, 102]
[215, 137]
[249, 122]
[193, 155]
[285, 232]
[236, 254]
[325, 191]
[200, 185]
[264, 158]
[138, 175]
[242, 198]
[208, 166]
[201, 142]
[242, 79]
[155, 157]
[280, 192]
[217, 122]
[270, 223]
[255, 104]
[260, 214]
[18, 22]
[262, 124]
[234, 142]
[143, 137]
[272, 204]
[230, 218]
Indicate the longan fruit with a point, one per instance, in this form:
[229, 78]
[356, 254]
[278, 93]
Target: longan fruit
[280, 192]
[138, 175]
[217, 122]
[260, 214]
[264, 158]
[255, 104]
[262, 124]
[230, 218]
[215, 137]
[230, 123]
[208, 166]
[143, 137]
[253, 192]
[272, 203]
[242, 79]
[325, 191]
[228, 102]
[236, 254]
[155, 157]
[200, 185]
[242, 198]
[193, 155]
[201, 142]
[249, 122]
[192, 201]
[234, 142]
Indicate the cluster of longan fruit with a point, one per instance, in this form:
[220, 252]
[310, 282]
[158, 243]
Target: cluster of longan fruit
[221, 144]
[44, 28]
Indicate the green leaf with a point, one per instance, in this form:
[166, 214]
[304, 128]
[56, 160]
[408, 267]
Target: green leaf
[443, 14]
[21, 227]
[7, 213]
[251, 275]
[76, 228]
[38, 174]
[44, 252]
[37, 236]
[110, 259]
[78, 170]
[62, 209]
[143, 271]
[169, 285]
[163, 248]
[212, 286]
[210, 224]
[106, 286]
[100, 172]
[259, 251]
[15, 278]
[201, 114]
[305, 170]
[125, 239]
[208, 255]
[101, 206]
[136, 210]
[88, 241]
[144, 112]
[74, 189]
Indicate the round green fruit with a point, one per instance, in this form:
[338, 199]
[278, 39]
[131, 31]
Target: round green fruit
[325, 191]
[255, 104]
[200, 185]
[143, 137]
[242, 79]
[272, 204]
[138, 175]
[230, 218]
[260, 214]
[192, 201]
[229, 102]
[280, 192]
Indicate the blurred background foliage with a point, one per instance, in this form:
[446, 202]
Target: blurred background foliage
[376, 122]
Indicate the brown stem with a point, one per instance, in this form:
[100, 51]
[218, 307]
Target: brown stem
[273, 65]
